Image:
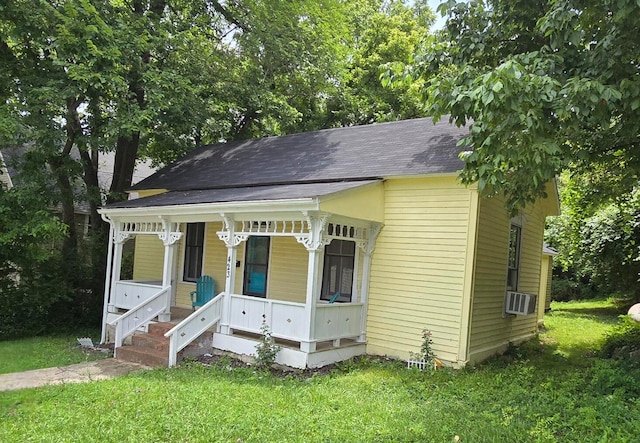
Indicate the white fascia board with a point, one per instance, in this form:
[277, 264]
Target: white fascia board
[213, 211]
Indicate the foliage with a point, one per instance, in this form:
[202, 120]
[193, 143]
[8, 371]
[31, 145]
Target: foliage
[426, 354]
[45, 352]
[83, 78]
[381, 33]
[267, 350]
[540, 397]
[27, 290]
[576, 328]
[535, 82]
[597, 237]
[622, 340]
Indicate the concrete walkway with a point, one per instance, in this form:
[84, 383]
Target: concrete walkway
[78, 373]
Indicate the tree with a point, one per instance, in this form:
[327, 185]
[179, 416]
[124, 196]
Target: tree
[26, 291]
[544, 85]
[82, 77]
[598, 240]
[380, 33]
[154, 79]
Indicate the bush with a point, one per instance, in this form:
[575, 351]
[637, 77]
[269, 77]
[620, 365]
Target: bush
[623, 340]
[266, 350]
[566, 289]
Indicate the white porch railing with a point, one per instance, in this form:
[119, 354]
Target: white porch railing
[287, 319]
[193, 326]
[128, 293]
[337, 320]
[140, 315]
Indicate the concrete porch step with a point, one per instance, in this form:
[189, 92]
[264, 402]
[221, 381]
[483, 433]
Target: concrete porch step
[145, 356]
[150, 348]
[151, 341]
[160, 328]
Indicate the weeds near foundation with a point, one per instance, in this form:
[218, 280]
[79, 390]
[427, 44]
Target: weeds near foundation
[267, 350]
[426, 358]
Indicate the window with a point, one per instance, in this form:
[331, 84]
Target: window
[339, 258]
[255, 266]
[193, 249]
[515, 239]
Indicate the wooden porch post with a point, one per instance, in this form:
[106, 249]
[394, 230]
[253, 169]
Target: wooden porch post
[231, 240]
[169, 237]
[118, 241]
[229, 284]
[367, 247]
[166, 280]
[107, 284]
[314, 242]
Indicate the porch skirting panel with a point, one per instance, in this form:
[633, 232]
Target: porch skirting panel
[288, 356]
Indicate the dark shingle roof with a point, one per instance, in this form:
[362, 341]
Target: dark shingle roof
[408, 147]
[253, 193]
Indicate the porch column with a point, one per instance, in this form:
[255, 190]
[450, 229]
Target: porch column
[118, 242]
[231, 240]
[315, 243]
[107, 284]
[169, 237]
[367, 247]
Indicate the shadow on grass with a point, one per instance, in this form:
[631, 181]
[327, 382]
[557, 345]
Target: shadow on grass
[605, 314]
[592, 314]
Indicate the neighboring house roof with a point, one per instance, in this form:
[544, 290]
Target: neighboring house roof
[548, 250]
[14, 155]
[402, 148]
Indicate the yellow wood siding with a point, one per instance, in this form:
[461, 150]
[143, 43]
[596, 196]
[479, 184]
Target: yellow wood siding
[365, 203]
[214, 263]
[148, 258]
[418, 267]
[287, 278]
[544, 295]
[491, 330]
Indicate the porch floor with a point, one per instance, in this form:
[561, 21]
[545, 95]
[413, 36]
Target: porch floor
[179, 314]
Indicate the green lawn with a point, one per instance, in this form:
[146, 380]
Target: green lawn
[43, 352]
[539, 393]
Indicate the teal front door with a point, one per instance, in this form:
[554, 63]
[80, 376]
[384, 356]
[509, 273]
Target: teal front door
[255, 267]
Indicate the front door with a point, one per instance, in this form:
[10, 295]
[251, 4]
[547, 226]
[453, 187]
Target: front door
[255, 267]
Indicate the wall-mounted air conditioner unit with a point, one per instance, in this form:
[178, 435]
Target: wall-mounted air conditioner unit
[520, 303]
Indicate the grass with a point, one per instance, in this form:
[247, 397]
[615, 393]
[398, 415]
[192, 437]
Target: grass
[578, 327]
[43, 352]
[545, 391]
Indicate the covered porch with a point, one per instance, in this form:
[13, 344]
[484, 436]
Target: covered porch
[313, 300]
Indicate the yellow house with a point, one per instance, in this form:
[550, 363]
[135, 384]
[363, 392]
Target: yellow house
[343, 242]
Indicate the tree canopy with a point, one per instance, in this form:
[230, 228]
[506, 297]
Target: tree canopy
[154, 79]
[544, 85]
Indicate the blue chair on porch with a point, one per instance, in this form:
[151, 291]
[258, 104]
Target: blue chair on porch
[205, 290]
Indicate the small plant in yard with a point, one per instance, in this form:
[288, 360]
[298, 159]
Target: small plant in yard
[426, 358]
[266, 350]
